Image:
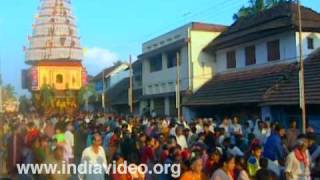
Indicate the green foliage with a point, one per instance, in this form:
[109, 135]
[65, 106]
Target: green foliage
[47, 97]
[256, 6]
[24, 104]
[85, 93]
[8, 92]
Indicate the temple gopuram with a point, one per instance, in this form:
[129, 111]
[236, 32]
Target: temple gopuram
[55, 54]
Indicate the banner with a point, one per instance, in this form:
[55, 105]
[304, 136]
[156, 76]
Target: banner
[34, 78]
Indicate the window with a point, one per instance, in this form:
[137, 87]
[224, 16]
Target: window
[250, 53]
[273, 50]
[172, 58]
[59, 79]
[156, 63]
[310, 43]
[231, 59]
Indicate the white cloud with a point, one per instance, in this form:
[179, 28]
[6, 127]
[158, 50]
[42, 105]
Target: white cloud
[96, 59]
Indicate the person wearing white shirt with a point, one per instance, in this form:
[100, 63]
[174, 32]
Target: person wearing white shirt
[181, 139]
[236, 128]
[225, 126]
[298, 161]
[94, 155]
[69, 142]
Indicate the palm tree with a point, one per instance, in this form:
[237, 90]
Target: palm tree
[85, 93]
[256, 6]
[47, 97]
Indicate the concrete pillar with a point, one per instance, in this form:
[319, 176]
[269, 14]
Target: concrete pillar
[164, 61]
[167, 106]
[151, 104]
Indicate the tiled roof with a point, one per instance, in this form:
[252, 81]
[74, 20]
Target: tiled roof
[118, 94]
[274, 85]
[107, 71]
[239, 87]
[288, 92]
[275, 20]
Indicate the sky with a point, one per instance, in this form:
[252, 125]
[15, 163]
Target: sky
[109, 30]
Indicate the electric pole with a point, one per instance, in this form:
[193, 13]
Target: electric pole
[178, 87]
[130, 95]
[301, 73]
[103, 93]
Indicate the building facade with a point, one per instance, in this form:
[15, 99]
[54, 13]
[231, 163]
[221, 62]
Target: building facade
[159, 66]
[106, 80]
[256, 58]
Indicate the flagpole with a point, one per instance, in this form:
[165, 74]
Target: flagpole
[301, 73]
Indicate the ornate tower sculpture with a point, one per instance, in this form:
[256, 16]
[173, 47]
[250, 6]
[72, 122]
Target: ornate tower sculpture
[54, 52]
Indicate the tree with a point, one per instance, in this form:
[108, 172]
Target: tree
[256, 6]
[117, 63]
[85, 93]
[8, 93]
[46, 97]
[24, 104]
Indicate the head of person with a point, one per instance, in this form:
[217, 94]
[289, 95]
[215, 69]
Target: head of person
[69, 126]
[256, 151]
[228, 162]
[240, 163]
[117, 131]
[235, 120]
[118, 158]
[225, 121]
[215, 156]
[302, 142]
[186, 132]
[44, 141]
[179, 131]
[280, 130]
[196, 164]
[293, 124]
[227, 142]
[206, 127]
[59, 153]
[161, 138]
[97, 140]
[150, 141]
[30, 125]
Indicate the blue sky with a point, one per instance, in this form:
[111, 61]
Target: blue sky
[111, 30]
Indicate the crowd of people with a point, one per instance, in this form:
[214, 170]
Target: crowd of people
[204, 148]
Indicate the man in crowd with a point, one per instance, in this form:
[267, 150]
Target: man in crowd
[298, 162]
[94, 155]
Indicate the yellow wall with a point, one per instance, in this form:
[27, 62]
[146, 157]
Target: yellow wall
[202, 64]
[72, 77]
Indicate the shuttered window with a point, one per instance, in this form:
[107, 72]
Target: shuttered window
[273, 50]
[231, 59]
[250, 53]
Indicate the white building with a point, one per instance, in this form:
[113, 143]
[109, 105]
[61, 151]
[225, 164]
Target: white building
[111, 77]
[268, 41]
[159, 60]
